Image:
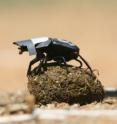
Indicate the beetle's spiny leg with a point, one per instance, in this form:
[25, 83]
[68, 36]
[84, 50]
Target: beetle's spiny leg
[40, 57]
[30, 64]
[37, 69]
[80, 63]
[86, 63]
[40, 66]
[45, 62]
[64, 61]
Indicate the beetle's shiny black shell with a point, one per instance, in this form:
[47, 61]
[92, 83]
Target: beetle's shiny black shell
[53, 47]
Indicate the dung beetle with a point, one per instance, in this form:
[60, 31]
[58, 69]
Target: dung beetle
[47, 49]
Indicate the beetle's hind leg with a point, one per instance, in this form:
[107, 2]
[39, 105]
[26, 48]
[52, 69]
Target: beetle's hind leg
[45, 62]
[89, 67]
[79, 62]
[62, 59]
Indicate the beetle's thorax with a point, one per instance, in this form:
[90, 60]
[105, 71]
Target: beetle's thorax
[39, 40]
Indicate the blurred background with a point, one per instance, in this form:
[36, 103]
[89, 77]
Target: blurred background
[91, 24]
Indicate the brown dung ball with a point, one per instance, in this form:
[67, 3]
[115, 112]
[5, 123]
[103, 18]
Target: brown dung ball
[55, 84]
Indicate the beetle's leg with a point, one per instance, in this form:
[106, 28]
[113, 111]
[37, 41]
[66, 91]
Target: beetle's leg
[86, 63]
[64, 61]
[39, 66]
[79, 62]
[31, 63]
[45, 62]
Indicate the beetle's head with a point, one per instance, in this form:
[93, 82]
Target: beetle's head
[21, 48]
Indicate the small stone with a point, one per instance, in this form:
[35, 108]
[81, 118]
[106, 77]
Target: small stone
[4, 99]
[50, 106]
[75, 106]
[14, 108]
[62, 106]
[2, 111]
[30, 100]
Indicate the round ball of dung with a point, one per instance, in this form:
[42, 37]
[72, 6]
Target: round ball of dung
[71, 85]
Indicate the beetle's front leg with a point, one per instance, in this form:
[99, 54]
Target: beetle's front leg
[31, 63]
[41, 64]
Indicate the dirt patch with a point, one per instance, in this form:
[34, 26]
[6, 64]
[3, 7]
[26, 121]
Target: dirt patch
[55, 84]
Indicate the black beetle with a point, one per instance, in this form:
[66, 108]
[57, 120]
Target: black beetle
[47, 49]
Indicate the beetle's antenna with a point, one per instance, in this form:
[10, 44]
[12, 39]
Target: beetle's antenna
[86, 63]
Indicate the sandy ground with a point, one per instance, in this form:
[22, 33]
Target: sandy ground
[92, 27]
[19, 108]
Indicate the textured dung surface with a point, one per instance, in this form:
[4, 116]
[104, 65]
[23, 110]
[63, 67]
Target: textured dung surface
[56, 85]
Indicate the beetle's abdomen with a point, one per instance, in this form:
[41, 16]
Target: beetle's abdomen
[62, 50]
